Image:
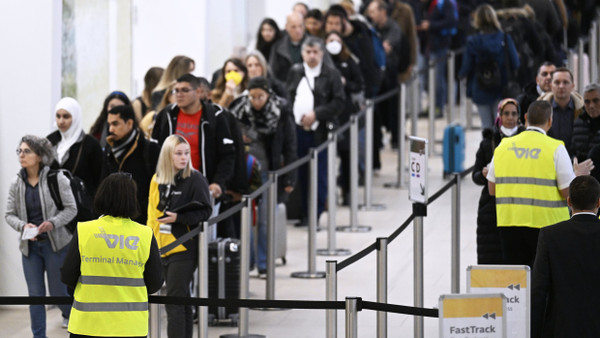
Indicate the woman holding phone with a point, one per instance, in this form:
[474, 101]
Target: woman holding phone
[179, 200]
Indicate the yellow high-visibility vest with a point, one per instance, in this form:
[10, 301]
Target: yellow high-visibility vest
[110, 296]
[527, 193]
[163, 236]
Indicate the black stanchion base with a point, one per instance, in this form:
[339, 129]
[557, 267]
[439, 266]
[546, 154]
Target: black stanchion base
[334, 252]
[372, 207]
[235, 335]
[357, 228]
[308, 274]
[393, 185]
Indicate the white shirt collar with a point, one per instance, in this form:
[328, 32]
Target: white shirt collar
[584, 213]
[537, 129]
[312, 72]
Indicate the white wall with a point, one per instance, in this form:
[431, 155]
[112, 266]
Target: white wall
[29, 88]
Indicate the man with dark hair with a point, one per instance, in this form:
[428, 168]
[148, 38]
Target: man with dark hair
[204, 127]
[566, 271]
[316, 98]
[530, 175]
[586, 128]
[127, 150]
[567, 104]
[537, 88]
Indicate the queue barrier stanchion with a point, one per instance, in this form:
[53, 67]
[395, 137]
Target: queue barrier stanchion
[455, 275]
[331, 295]
[420, 211]
[271, 230]
[154, 319]
[431, 105]
[581, 72]
[462, 109]
[202, 277]
[416, 98]
[451, 86]
[312, 220]
[246, 219]
[332, 200]
[352, 317]
[594, 52]
[368, 203]
[382, 255]
[354, 227]
[401, 140]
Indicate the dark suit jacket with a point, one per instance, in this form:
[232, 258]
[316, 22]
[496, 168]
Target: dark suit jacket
[565, 287]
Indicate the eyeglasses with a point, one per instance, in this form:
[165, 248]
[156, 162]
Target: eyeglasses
[181, 90]
[26, 151]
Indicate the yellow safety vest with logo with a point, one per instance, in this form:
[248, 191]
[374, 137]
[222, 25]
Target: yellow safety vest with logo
[110, 296]
[527, 193]
[163, 237]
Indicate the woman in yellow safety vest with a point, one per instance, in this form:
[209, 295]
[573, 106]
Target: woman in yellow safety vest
[113, 263]
[179, 200]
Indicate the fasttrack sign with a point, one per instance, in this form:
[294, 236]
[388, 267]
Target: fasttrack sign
[473, 315]
[418, 169]
[511, 280]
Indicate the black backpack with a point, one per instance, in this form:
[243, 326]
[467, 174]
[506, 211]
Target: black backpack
[487, 73]
[82, 197]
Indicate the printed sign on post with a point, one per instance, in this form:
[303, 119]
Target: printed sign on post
[418, 169]
[511, 280]
[473, 315]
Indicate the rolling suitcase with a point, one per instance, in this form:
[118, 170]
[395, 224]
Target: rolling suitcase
[223, 279]
[281, 232]
[453, 149]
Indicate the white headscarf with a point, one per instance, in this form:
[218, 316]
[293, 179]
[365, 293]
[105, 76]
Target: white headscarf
[72, 134]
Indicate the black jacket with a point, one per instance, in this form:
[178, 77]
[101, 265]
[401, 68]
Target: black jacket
[280, 60]
[328, 100]
[489, 250]
[89, 167]
[529, 95]
[586, 135]
[361, 45]
[218, 152]
[140, 161]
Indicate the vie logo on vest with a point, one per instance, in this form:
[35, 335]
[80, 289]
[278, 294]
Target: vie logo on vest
[129, 242]
[533, 153]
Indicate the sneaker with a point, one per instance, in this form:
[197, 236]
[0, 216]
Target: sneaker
[262, 273]
[65, 323]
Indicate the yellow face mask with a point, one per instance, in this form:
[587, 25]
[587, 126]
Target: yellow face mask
[235, 76]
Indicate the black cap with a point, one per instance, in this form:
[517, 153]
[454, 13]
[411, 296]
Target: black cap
[258, 82]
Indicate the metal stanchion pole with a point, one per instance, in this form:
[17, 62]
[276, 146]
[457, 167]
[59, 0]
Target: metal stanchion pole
[354, 227]
[382, 285]
[462, 88]
[271, 229]
[419, 210]
[331, 200]
[246, 219]
[451, 87]
[570, 59]
[594, 52]
[581, 72]
[331, 295]
[154, 328]
[416, 97]
[431, 96]
[203, 280]
[312, 222]
[352, 317]
[401, 139]
[369, 160]
[455, 284]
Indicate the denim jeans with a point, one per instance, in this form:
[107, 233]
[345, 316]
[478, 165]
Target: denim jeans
[487, 113]
[42, 260]
[306, 141]
[441, 87]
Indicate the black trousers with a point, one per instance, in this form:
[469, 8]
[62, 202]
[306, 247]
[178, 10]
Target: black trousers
[519, 245]
[180, 318]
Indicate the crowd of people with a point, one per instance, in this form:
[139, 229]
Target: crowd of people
[186, 148]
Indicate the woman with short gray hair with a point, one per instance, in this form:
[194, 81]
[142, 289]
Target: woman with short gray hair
[32, 212]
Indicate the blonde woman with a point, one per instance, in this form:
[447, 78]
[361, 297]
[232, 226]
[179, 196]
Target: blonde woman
[179, 200]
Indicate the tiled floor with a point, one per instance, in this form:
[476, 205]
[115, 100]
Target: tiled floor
[358, 279]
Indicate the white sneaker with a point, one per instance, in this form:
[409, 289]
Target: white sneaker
[65, 323]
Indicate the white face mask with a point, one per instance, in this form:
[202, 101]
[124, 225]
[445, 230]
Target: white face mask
[334, 47]
[507, 131]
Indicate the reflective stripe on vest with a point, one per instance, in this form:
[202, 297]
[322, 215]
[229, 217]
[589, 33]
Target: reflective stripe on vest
[111, 297]
[526, 188]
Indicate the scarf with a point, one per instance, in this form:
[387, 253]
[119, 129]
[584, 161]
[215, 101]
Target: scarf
[264, 121]
[71, 135]
[119, 147]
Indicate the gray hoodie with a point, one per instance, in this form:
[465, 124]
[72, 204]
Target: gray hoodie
[16, 211]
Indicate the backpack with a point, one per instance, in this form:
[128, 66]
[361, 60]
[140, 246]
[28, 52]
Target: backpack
[82, 197]
[487, 73]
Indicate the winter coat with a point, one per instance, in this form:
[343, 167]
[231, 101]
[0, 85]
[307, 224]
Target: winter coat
[586, 135]
[89, 166]
[16, 209]
[529, 95]
[479, 47]
[489, 250]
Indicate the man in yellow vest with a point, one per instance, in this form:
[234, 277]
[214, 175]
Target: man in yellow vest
[113, 263]
[530, 175]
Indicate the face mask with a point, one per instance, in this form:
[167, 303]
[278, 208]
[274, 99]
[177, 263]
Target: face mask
[507, 131]
[334, 47]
